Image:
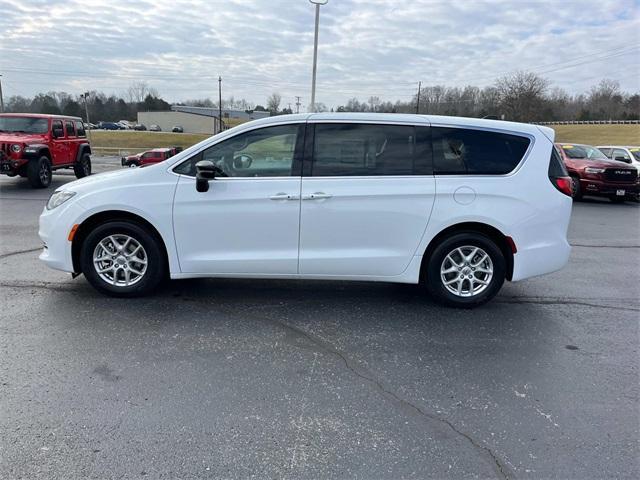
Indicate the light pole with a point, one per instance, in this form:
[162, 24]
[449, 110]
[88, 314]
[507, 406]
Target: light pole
[317, 3]
[86, 111]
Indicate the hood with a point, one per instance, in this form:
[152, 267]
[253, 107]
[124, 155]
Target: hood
[588, 162]
[109, 179]
[95, 179]
[28, 138]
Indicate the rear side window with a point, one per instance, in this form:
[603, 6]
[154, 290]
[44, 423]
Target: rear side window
[80, 129]
[556, 165]
[363, 150]
[476, 152]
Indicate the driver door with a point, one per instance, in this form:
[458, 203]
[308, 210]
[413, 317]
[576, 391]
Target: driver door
[247, 223]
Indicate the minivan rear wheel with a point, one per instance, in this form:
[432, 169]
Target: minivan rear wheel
[465, 270]
[123, 259]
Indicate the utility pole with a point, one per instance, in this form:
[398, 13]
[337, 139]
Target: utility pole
[297, 104]
[289, 107]
[86, 112]
[220, 103]
[1, 99]
[418, 100]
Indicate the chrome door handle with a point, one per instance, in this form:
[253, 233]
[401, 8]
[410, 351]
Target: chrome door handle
[283, 196]
[317, 196]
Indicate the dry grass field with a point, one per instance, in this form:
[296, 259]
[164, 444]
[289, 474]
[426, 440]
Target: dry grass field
[598, 134]
[136, 141]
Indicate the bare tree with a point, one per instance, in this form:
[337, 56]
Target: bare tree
[273, 103]
[138, 91]
[522, 95]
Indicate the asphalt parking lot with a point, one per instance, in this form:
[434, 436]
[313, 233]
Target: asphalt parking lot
[275, 379]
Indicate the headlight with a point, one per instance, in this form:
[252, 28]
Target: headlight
[594, 170]
[58, 198]
[16, 148]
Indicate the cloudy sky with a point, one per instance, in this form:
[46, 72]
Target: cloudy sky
[367, 47]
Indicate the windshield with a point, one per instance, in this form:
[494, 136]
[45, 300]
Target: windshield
[24, 125]
[583, 151]
[635, 151]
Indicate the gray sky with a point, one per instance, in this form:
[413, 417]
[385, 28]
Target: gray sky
[367, 47]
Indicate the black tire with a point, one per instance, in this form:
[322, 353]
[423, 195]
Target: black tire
[156, 269]
[39, 172]
[435, 284]
[576, 190]
[82, 168]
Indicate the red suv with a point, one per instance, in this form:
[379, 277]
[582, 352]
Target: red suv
[33, 145]
[594, 174]
[151, 156]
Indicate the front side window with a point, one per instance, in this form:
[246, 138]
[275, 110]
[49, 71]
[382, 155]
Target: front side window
[618, 153]
[56, 127]
[635, 151]
[264, 152]
[606, 151]
[363, 150]
[476, 152]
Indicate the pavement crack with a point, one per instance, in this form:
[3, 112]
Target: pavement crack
[561, 301]
[499, 466]
[20, 252]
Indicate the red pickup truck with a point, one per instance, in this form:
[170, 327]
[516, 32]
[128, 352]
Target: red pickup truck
[594, 174]
[150, 156]
[33, 146]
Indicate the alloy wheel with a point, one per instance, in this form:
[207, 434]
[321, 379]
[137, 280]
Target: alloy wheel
[466, 271]
[120, 260]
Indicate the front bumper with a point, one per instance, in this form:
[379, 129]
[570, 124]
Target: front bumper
[10, 166]
[54, 229]
[609, 189]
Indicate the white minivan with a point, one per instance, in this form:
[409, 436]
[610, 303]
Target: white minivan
[457, 204]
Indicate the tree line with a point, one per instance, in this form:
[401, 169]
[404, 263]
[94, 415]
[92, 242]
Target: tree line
[521, 96]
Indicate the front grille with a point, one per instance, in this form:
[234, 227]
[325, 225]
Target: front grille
[621, 175]
[6, 148]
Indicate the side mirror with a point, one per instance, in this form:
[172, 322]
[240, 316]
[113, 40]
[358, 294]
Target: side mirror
[623, 159]
[57, 132]
[205, 171]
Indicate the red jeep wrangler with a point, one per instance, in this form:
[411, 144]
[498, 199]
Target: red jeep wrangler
[33, 145]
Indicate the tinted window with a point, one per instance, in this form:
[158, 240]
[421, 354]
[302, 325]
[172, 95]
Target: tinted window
[617, 153]
[556, 165]
[360, 149]
[466, 151]
[265, 152]
[57, 125]
[71, 131]
[606, 151]
[80, 129]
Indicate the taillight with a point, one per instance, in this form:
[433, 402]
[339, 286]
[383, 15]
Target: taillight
[558, 174]
[563, 184]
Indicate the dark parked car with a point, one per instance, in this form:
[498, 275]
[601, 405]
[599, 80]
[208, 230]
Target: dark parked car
[177, 129]
[109, 126]
[594, 174]
[139, 127]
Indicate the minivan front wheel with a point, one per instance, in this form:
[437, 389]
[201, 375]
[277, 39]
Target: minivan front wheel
[122, 258]
[465, 270]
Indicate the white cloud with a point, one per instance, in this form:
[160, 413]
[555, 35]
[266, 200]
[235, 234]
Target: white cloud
[260, 46]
